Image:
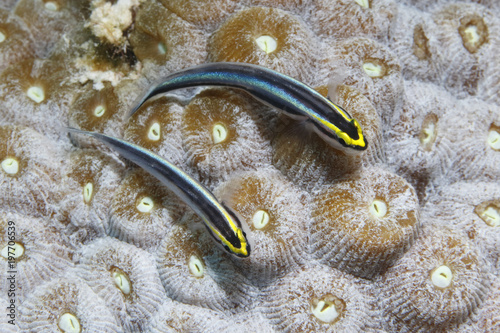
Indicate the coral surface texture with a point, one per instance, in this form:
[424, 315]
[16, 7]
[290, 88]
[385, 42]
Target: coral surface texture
[403, 236]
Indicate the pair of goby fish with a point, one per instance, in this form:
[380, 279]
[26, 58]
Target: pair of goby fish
[331, 122]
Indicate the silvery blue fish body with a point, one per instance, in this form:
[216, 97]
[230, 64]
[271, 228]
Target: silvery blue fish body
[330, 121]
[224, 225]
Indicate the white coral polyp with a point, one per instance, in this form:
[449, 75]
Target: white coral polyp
[154, 132]
[162, 48]
[88, 190]
[122, 281]
[363, 3]
[10, 166]
[472, 34]
[36, 94]
[99, 111]
[429, 133]
[373, 70]
[196, 266]
[260, 219]
[441, 277]
[267, 44]
[494, 139]
[378, 208]
[145, 205]
[14, 251]
[52, 6]
[491, 216]
[325, 311]
[108, 21]
[69, 323]
[219, 133]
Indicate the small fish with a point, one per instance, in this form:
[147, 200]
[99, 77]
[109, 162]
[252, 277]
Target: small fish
[223, 223]
[330, 121]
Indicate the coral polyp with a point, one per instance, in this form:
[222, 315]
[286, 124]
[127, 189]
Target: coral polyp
[370, 67]
[47, 20]
[38, 252]
[142, 210]
[194, 272]
[90, 183]
[98, 111]
[69, 305]
[29, 169]
[216, 125]
[437, 284]
[15, 40]
[156, 126]
[344, 18]
[125, 277]
[201, 12]
[161, 38]
[398, 232]
[37, 87]
[473, 208]
[274, 211]
[418, 136]
[371, 217]
[482, 140]
[473, 31]
[317, 298]
[267, 37]
[466, 32]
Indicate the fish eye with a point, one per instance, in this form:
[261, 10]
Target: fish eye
[354, 123]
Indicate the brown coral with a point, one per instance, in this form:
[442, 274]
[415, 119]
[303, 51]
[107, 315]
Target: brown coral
[365, 223]
[201, 12]
[15, 40]
[164, 39]
[318, 298]
[66, 305]
[436, 285]
[30, 170]
[156, 126]
[345, 18]
[97, 111]
[275, 212]
[47, 20]
[423, 81]
[125, 277]
[89, 187]
[38, 88]
[268, 37]
[143, 210]
[223, 134]
[194, 271]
